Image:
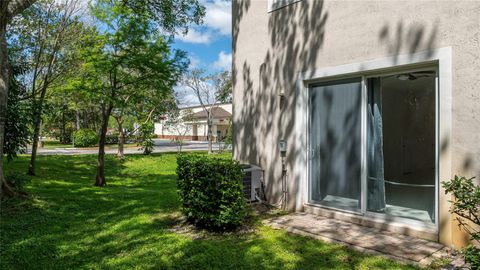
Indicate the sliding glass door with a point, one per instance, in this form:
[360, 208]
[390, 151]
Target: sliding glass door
[396, 137]
[401, 146]
[335, 144]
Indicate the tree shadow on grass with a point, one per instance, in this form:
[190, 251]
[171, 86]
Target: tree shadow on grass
[271, 249]
[65, 210]
[68, 223]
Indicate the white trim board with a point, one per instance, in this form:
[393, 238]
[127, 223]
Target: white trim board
[441, 57]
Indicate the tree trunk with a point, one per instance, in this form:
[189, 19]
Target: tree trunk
[86, 124]
[100, 180]
[209, 131]
[5, 190]
[6, 13]
[77, 120]
[36, 131]
[121, 138]
[63, 135]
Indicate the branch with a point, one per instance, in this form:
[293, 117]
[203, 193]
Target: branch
[17, 6]
[149, 117]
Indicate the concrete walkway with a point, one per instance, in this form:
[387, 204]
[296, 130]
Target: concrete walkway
[370, 240]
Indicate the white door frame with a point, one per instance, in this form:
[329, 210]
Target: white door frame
[441, 58]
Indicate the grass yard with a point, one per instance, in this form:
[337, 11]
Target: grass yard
[57, 144]
[67, 223]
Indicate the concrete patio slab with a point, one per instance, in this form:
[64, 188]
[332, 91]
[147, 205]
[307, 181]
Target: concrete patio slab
[370, 240]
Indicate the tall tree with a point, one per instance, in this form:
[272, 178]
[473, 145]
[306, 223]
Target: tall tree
[125, 108]
[125, 59]
[17, 132]
[211, 91]
[172, 16]
[48, 34]
[8, 10]
[180, 123]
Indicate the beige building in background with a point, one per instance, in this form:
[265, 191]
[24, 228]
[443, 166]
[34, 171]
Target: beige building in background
[197, 129]
[376, 103]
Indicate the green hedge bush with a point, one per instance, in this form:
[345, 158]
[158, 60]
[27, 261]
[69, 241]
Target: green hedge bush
[211, 191]
[85, 138]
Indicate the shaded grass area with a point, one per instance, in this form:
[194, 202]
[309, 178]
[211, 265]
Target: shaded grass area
[67, 223]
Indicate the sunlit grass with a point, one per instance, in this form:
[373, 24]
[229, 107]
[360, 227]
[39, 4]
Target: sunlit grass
[67, 223]
[52, 144]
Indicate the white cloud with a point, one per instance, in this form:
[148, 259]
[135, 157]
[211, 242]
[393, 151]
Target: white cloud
[224, 61]
[217, 21]
[219, 16]
[194, 36]
[194, 62]
[185, 96]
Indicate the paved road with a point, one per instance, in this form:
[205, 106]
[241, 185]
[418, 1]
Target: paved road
[160, 146]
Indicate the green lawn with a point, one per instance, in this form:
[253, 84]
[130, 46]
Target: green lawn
[57, 144]
[67, 223]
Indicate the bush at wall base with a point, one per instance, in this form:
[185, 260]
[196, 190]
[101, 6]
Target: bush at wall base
[472, 256]
[211, 191]
[466, 205]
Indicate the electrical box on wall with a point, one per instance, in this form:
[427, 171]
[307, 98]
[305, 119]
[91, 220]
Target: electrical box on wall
[282, 146]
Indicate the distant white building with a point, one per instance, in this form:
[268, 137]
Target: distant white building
[197, 129]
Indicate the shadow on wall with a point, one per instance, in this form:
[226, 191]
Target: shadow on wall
[295, 39]
[239, 9]
[400, 39]
[261, 120]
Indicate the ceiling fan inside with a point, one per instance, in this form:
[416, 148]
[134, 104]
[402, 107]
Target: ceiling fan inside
[414, 75]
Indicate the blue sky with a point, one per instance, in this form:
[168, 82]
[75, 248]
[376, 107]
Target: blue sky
[208, 46]
[212, 56]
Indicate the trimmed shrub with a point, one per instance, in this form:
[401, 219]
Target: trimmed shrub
[85, 138]
[211, 191]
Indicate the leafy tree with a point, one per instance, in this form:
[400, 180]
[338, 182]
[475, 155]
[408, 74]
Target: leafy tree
[211, 91]
[146, 138]
[8, 10]
[124, 63]
[67, 108]
[17, 133]
[180, 123]
[119, 116]
[47, 34]
[143, 104]
[172, 16]
[59, 117]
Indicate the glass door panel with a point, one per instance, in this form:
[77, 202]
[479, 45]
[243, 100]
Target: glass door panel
[335, 144]
[401, 146]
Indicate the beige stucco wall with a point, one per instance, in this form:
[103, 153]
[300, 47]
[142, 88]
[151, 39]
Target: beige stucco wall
[270, 49]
